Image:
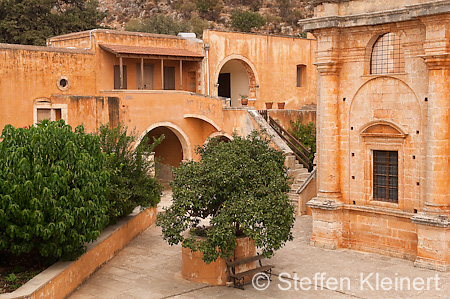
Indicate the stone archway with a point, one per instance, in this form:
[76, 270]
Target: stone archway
[236, 76]
[173, 149]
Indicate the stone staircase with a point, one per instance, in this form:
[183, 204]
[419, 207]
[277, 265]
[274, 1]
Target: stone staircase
[299, 174]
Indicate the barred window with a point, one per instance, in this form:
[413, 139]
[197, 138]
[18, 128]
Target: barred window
[385, 176]
[387, 55]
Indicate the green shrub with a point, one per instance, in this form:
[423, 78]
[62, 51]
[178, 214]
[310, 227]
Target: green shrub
[240, 188]
[306, 134]
[245, 20]
[131, 182]
[209, 9]
[52, 186]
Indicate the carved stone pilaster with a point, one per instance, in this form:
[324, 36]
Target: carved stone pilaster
[437, 61]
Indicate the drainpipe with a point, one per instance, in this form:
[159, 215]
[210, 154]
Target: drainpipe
[206, 47]
[90, 39]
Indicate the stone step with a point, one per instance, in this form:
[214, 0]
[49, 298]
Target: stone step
[295, 204]
[298, 166]
[295, 187]
[293, 196]
[302, 177]
[294, 173]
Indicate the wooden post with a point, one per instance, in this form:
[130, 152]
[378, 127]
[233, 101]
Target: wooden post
[142, 73]
[121, 72]
[181, 74]
[162, 73]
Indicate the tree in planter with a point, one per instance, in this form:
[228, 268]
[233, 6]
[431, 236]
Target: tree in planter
[131, 183]
[241, 188]
[52, 191]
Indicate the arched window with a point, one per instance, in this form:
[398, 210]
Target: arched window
[387, 55]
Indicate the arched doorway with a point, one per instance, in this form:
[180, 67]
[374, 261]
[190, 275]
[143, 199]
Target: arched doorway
[236, 77]
[167, 154]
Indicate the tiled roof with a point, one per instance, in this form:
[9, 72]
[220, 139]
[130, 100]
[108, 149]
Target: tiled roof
[138, 50]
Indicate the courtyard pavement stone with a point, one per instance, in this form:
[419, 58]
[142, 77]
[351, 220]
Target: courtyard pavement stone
[149, 268]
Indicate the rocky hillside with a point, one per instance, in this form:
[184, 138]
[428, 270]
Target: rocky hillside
[281, 16]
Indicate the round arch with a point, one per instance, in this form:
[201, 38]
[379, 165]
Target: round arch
[204, 118]
[182, 137]
[249, 69]
[218, 135]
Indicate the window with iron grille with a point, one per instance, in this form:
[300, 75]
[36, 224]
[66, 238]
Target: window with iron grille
[385, 176]
[387, 55]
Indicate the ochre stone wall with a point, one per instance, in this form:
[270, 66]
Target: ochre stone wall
[271, 63]
[360, 112]
[29, 73]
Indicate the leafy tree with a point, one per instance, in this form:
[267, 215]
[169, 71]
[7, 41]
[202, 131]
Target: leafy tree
[131, 182]
[33, 21]
[198, 25]
[160, 24]
[240, 187]
[306, 134]
[52, 190]
[209, 9]
[245, 20]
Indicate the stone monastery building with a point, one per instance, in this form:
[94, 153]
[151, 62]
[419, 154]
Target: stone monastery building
[380, 71]
[184, 88]
[384, 128]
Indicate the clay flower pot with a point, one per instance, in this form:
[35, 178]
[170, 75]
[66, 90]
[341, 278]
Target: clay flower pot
[269, 105]
[281, 105]
[244, 101]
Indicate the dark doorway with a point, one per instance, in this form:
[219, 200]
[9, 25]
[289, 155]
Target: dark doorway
[224, 85]
[169, 78]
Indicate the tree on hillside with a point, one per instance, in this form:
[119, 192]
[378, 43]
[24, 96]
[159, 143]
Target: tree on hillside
[245, 20]
[33, 21]
[160, 24]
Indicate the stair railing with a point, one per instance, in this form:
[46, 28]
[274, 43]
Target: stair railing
[300, 151]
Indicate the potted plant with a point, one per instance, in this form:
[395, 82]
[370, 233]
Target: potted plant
[281, 105]
[236, 189]
[269, 105]
[244, 99]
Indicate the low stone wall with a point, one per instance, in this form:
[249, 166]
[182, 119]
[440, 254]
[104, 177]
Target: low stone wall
[286, 115]
[63, 278]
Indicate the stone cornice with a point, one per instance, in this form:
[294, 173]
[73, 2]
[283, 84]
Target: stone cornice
[439, 221]
[329, 205]
[437, 62]
[328, 68]
[409, 12]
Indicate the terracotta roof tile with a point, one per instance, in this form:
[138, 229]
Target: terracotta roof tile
[138, 50]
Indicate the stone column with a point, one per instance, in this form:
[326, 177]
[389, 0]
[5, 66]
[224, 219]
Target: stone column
[433, 227]
[327, 206]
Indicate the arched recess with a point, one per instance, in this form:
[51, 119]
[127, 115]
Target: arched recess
[175, 147]
[204, 118]
[222, 136]
[385, 115]
[237, 65]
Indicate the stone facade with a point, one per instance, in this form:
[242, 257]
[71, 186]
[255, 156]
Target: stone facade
[157, 84]
[400, 111]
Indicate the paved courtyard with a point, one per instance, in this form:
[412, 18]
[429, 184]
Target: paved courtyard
[149, 268]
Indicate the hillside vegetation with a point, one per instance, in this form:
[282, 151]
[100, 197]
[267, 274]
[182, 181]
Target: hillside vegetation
[172, 16]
